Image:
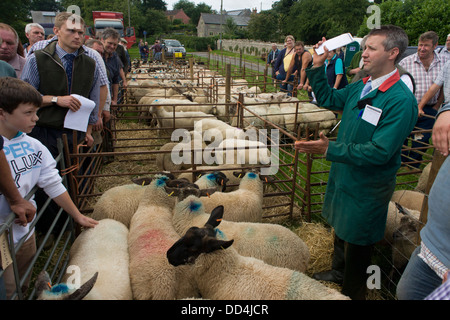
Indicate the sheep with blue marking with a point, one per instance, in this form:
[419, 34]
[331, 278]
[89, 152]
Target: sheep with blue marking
[220, 273]
[227, 169]
[243, 204]
[151, 234]
[274, 244]
[214, 179]
[61, 291]
[103, 249]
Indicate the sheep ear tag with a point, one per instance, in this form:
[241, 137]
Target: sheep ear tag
[216, 217]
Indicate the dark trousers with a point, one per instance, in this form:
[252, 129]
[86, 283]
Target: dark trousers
[352, 260]
[425, 123]
[285, 87]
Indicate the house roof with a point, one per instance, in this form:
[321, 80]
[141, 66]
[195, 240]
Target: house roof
[209, 18]
[240, 12]
[174, 12]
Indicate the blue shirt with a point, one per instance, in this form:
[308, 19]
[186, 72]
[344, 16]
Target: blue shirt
[436, 233]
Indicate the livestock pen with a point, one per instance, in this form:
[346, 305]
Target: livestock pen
[130, 146]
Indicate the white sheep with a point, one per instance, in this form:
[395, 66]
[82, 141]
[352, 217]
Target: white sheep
[227, 169]
[409, 198]
[176, 120]
[423, 179]
[309, 115]
[183, 105]
[151, 235]
[103, 249]
[222, 274]
[213, 127]
[243, 204]
[238, 151]
[272, 243]
[214, 179]
[183, 153]
[119, 203]
[393, 219]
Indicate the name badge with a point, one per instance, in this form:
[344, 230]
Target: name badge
[371, 114]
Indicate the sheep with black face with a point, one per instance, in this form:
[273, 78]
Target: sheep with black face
[221, 273]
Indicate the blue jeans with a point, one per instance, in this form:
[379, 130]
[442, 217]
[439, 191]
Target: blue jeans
[418, 280]
[285, 87]
[424, 123]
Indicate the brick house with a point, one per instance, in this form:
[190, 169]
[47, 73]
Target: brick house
[177, 14]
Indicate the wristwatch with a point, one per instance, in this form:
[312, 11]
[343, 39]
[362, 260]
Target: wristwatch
[55, 100]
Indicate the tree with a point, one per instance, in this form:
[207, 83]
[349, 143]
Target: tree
[230, 27]
[192, 10]
[415, 17]
[264, 26]
[153, 4]
[46, 5]
[15, 13]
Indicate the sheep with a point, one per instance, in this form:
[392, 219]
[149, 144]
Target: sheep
[103, 249]
[227, 169]
[408, 198]
[394, 216]
[309, 115]
[212, 127]
[119, 203]
[232, 151]
[182, 119]
[164, 160]
[215, 179]
[151, 234]
[423, 179]
[222, 274]
[244, 204]
[183, 105]
[405, 239]
[272, 243]
[46, 291]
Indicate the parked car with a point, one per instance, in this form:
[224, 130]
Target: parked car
[172, 46]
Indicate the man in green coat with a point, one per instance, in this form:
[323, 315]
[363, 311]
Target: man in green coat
[378, 114]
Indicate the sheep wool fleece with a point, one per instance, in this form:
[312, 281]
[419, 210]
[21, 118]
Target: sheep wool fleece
[365, 156]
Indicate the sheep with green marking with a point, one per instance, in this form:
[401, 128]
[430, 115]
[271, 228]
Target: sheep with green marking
[272, 243]
[221, 273]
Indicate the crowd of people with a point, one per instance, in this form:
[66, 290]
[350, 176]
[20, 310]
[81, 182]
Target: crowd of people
[39, 83]
[144, 51]
[385, 98]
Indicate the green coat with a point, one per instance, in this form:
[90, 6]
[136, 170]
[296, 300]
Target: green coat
[365, 158]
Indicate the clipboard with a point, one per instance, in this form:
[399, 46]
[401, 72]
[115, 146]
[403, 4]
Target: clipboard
[335, 43]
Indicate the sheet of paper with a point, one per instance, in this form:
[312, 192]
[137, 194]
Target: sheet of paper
[79, 120]
[336, 42]
[372, 114]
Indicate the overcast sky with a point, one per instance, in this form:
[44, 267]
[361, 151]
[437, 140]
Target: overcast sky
[229, 4]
